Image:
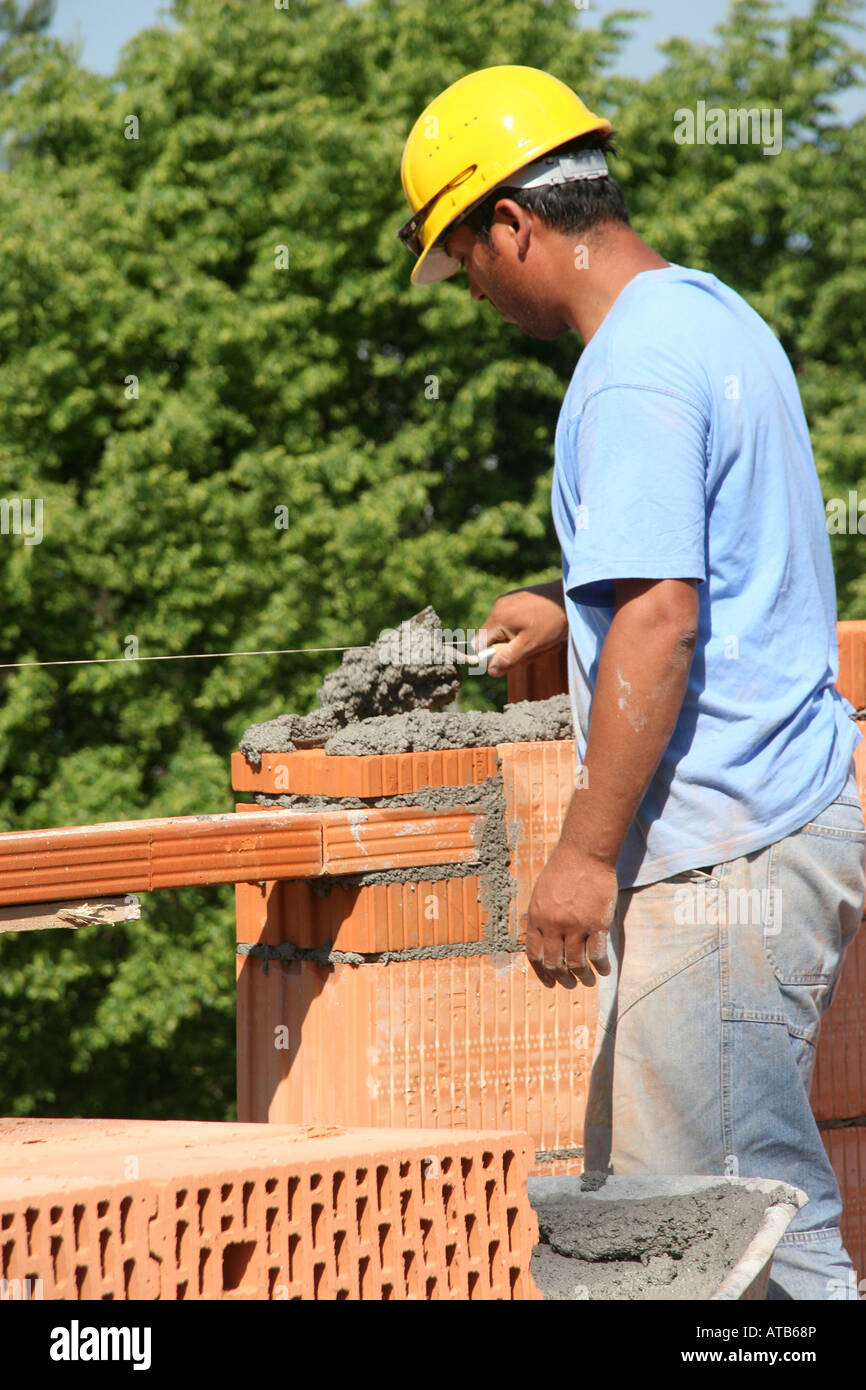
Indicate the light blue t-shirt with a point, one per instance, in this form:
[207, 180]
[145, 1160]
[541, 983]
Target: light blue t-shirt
[682, 452]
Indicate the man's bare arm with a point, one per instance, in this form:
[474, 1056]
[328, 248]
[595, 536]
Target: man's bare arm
[642, 678]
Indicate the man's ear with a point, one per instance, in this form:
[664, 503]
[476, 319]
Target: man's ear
[507, 213]
[515, 219]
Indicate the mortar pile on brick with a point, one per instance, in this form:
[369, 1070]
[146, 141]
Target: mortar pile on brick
[241, 1212]
[415, 670]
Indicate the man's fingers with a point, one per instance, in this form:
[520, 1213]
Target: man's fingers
[508, 654]
[490, 633]
[596, 951]
[546, 958]
[544, 976]
[511, 646]
[560, 968]
[583, 971]
[534, 952]
[591, 951]
[557, 960]
[553, 954]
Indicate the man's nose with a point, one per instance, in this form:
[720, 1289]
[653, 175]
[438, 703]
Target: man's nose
[476, 291]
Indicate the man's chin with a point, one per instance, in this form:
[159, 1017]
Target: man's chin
[545, 335]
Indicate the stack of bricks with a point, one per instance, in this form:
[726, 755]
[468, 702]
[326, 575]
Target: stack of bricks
[412, 1002]
[100, 1209]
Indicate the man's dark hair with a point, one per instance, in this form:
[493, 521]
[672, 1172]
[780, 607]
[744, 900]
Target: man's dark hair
[571, 208]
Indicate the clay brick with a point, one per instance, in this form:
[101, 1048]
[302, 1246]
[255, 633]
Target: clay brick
[311, 772]
[134, 856]
[472, 1041]
[368, 919]
[839, 1085]
[851, 637]
[239, 1212]
[538, 780]
[356, 841]
[84, 1243]
[846, 1149]
[547, 675]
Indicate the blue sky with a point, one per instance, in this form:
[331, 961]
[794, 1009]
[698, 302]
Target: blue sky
[105, 25]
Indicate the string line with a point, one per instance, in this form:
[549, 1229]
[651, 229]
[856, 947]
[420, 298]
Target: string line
[188, 656]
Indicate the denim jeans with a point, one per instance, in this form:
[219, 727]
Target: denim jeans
[708, 1024]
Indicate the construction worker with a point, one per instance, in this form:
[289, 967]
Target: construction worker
[710, 875]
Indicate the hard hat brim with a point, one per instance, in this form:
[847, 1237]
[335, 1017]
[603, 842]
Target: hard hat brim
[433, 265]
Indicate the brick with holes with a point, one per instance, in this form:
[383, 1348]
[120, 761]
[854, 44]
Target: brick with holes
[133, 1209]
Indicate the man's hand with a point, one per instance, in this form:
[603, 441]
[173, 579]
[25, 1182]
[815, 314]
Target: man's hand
[570, 913]
[524, 623]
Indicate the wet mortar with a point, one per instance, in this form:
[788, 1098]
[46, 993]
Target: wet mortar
[371, 706]
[423, 674]
[375, 705]
[656, 1248]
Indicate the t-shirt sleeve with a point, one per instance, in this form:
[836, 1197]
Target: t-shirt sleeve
[639, 455]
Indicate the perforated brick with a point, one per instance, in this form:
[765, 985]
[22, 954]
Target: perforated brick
[238, 1212]
[846, 1148]
[839, 1085]
[474, 1041]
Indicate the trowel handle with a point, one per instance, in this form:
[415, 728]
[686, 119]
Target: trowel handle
[476, 658]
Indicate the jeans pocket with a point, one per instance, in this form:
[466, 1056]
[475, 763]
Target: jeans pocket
[816, 881]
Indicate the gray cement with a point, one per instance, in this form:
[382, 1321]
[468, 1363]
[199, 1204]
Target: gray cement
[367, 683]
[422, 730]
[663, 1248]
[287, 953]
[387, 698]
[591, 1180]
[413, 671]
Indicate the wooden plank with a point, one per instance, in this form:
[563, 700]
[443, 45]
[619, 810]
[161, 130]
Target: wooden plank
[73, 912]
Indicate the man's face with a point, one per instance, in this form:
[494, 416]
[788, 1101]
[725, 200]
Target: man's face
[512, 272]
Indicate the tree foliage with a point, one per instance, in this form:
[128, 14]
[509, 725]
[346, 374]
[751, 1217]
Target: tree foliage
[168, 388]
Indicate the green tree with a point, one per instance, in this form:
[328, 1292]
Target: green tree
[207, 327]
[16, 20]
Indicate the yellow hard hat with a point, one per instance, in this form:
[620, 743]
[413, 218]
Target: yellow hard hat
[474, 135]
